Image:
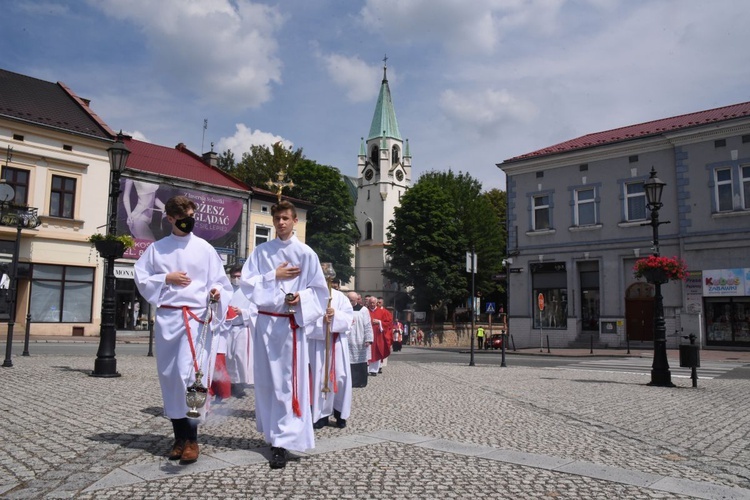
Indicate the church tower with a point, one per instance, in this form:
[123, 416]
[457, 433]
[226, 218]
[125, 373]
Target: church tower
[383, 175]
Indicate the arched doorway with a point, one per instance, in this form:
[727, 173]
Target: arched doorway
[639, 312]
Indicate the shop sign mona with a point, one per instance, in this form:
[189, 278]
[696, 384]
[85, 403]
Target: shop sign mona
[726, 282]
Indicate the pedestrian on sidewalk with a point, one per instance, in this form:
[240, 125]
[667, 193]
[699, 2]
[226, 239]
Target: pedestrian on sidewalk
[183, 277]
[480, 337]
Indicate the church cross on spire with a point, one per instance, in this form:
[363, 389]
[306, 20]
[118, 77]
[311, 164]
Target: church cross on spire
[385, 67]
[280, 184]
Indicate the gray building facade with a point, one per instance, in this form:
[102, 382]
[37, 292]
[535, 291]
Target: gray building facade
[578, 221]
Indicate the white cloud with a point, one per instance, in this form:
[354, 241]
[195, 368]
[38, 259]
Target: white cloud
[223, 52]
[486, 111]
[245, 137]
[462, 27]
[353, 75]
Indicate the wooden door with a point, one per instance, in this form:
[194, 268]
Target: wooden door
[639, 312]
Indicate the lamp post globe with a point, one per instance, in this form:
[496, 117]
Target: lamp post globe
[105, 364]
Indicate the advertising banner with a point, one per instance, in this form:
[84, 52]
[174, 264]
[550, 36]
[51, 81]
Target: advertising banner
[218, 219]
[724, 283]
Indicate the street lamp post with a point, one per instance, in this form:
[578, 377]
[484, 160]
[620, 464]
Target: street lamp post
[660, 375]
[106, 364]
[472, 264]
[22, 218]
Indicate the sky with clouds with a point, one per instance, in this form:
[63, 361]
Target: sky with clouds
[474, 82]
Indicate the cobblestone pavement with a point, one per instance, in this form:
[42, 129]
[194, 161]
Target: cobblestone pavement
[419, 430]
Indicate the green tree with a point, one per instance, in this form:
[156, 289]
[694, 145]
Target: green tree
[261, 164]
[424, 246]
[226, 161]
[331, 228]
[480, 228]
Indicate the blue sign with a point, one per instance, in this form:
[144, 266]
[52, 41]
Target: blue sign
[490, 308]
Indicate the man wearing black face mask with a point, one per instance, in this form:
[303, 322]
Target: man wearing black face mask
[183, 277]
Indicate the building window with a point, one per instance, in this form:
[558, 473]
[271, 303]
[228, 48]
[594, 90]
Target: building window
[723, 187]
[264, 209]
[62, 196]
[18, 179]
[585, 207]
[61, 294]
[368, 230]
[635, 201]
[395, 155]
[746, 187]
[550, 280]
[262, 234]
[541, 212]
[633, 159]
[720, 143]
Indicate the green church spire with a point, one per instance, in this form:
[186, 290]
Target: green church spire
[384, 121]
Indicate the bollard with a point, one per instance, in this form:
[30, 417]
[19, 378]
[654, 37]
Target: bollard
[592, 344]
[548, 351]
[513, 342]
[690, 357]
[26, 336]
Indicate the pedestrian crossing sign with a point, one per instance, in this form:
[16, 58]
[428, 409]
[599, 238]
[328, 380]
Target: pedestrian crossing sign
[490, 308]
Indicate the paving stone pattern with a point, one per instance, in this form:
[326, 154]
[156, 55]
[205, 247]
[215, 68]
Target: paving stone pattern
[416, 431]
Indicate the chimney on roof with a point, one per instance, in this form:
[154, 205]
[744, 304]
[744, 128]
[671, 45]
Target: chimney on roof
[211, 159]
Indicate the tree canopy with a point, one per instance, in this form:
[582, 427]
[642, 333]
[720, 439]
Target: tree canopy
[424, 248]
[464, 219]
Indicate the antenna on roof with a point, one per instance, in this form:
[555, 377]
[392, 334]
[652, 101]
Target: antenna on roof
[205, 126]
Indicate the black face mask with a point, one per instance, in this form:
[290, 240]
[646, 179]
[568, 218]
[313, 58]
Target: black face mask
[185, 225]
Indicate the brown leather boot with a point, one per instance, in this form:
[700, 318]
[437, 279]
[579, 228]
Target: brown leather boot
[177, 449]
[190, 452]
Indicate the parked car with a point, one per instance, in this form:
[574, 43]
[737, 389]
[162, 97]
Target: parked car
[495, 341]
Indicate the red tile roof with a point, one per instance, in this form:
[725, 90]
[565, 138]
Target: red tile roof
[178, 162]
[641, 130]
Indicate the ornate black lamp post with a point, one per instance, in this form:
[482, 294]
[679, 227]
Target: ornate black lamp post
[106, 364]
[22, 218]
[660, 375]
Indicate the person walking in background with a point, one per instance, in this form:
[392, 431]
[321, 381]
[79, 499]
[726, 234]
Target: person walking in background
[360, 340]
[480, 337]
[382, 335]
[240, 318]
[183, 277]
[335, 398]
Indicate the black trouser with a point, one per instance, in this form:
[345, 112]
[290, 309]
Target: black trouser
[185, 429]
[480, 341]
[359, 374]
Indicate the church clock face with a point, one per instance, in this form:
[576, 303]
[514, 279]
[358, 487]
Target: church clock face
[399, 176]
[368, 175]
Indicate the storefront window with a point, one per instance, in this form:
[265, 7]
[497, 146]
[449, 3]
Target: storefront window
[61, 294]
[550, 279]
[728, 321]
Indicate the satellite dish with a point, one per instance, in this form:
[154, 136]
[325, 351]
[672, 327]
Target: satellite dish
[7, 193]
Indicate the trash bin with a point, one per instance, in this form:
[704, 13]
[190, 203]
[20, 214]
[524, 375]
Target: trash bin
[690, 356]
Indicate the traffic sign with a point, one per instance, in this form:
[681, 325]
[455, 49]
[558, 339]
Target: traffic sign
[540, 301]
[490, 308]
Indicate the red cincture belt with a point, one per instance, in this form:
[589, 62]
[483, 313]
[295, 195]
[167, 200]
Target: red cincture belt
[294, 326]
[332, 375]
[186, 314]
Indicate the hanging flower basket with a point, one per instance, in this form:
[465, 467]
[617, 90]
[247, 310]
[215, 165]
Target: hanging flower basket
[111, 245]
[107, 249]
[660, 269]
